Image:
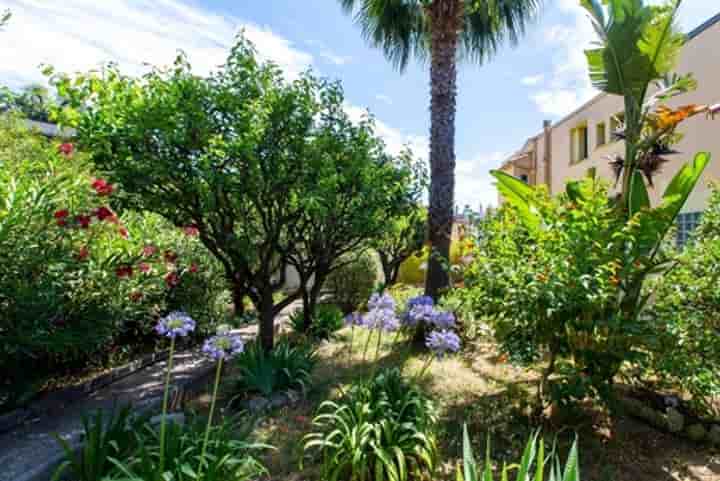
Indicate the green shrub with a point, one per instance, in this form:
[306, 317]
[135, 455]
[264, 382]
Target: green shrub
[328, 319]
[230, 454]
[286, 366]
[533, 464]
[382, 428]
[103, 439]
[685, 347]
[351, 285]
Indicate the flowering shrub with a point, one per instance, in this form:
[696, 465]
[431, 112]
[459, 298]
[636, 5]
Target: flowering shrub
[81, 283]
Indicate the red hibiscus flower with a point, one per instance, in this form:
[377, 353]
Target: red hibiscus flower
[172, 279]
[102, 187]
[104, 213]
[144, 267]
[123, 232]
[61, 214]
[149, 251]
[83, 253]
[66, 149]
[124, 272]
[83, 221]
[193, 268]
[170, 257]
[191, 230]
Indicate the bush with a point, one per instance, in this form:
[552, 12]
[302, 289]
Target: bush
[286, 366]
[383, 428]
[533, 464]
[685, 348]
[351, 285]
[327, 320]
[81, 285]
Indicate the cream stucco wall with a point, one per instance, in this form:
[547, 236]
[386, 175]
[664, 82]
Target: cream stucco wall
[701, 56]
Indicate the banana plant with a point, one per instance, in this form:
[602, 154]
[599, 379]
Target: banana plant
[533, 466]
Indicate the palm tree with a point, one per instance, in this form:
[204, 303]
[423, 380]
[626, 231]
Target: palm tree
[442, 31]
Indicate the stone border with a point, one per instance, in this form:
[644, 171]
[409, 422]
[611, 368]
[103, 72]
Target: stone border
[673, 422]
[15, 418]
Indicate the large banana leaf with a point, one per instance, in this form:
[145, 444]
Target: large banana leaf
[658, 222]
[638, 198]
[637, 44]
[520, 195]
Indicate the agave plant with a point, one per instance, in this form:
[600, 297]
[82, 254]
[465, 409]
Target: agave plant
[533, 465]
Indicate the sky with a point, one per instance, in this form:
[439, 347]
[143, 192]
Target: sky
[500, 103]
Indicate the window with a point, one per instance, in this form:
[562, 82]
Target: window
[686, 224]
[600, 134]
[578, 144]
[617, 124]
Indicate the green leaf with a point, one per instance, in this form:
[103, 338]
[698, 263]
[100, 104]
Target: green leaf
[638, 198]
[520, 195]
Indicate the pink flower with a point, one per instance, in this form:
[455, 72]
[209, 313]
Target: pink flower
[66, 149]
[191, 230]
[144, 267]
[83, 221]
[149, 251]
[82, 254]
[193, 268]
[172, 279]
[124, 272]
[102, 187]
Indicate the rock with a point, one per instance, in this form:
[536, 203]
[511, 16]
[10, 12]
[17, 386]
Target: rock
[696, 432]
[675, 420]
[714, 434]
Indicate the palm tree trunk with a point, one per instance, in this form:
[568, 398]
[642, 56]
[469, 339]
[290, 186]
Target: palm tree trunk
[445, 16]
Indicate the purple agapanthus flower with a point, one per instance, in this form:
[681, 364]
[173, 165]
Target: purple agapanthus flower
[175, 324]
[443, 342]
[353, 319]
[384, 319]
[443, 320]
[420, 301]
[381, 301]
[419, 313]
[223, 346]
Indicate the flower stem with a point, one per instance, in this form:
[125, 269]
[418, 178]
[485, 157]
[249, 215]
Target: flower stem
[367, 343]
[352, 340]
[210, 416]
[164, 404]
[426, 366]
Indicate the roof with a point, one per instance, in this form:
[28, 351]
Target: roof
[704, 26]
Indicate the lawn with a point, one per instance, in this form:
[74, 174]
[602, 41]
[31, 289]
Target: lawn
[481, 389]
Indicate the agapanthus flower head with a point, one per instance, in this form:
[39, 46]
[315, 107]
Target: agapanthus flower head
[419, 313]
[353, 319]
[420, 301]
[381, 301]
[443, 320]
[223, 346]
[175, 324]
[382, 319]
[442, 342]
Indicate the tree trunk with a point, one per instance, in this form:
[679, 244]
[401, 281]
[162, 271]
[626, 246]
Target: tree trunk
[387, 268]
[394, 274]
[445, 22]
[238, 296]
[267, 320]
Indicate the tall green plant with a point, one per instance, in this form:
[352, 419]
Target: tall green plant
[440, 31]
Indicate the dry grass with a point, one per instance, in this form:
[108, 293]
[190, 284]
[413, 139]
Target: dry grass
[493, 398]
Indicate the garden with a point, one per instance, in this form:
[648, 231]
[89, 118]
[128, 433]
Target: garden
[247, 219]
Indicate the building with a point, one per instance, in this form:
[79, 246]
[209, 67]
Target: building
[568, 148]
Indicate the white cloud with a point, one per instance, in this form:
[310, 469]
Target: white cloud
[334, 59]
[76, 35]
[384, 98]
[532, 79]
[395, 139]
[473, 183]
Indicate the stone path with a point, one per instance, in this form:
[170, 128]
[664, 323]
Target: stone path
[31, 452]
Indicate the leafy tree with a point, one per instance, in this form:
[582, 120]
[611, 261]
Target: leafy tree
[404, 237]
[33, 101]
[441, 31]
[259, 166]
[5, 18]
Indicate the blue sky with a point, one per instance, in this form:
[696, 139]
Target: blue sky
[500, 104]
